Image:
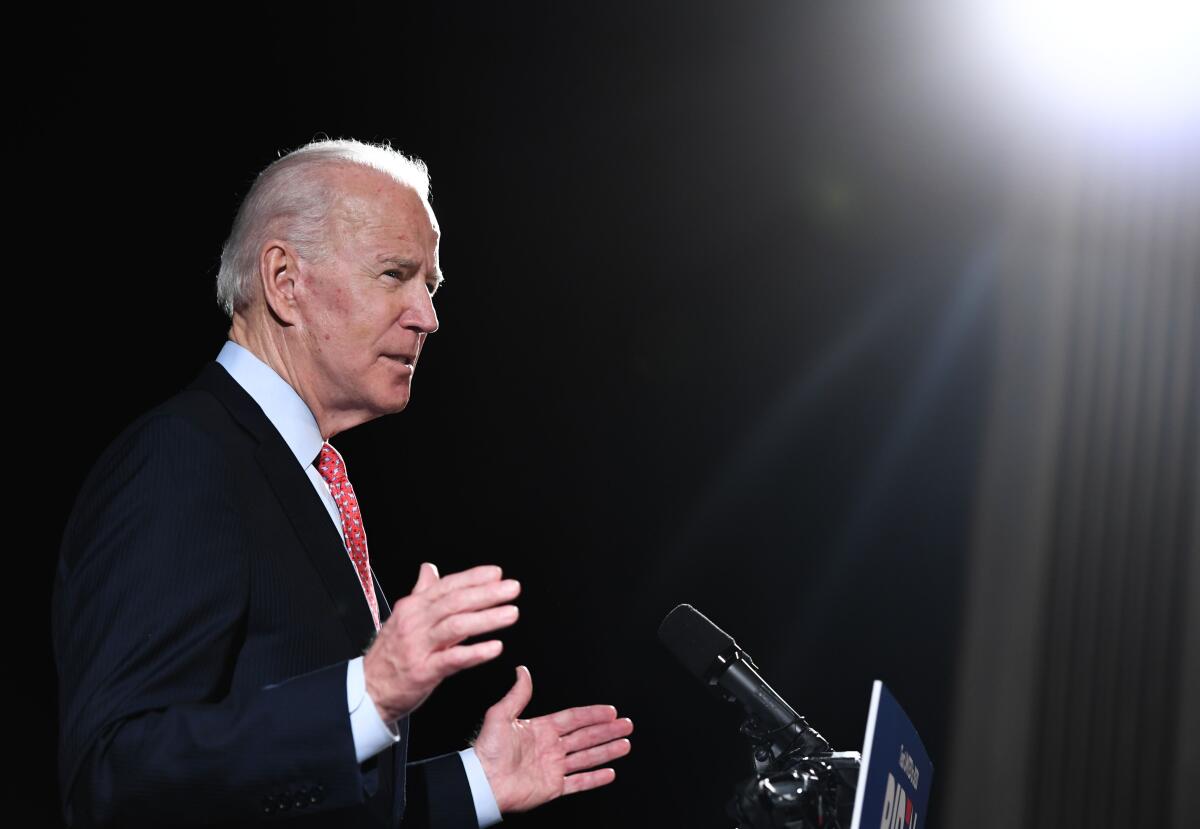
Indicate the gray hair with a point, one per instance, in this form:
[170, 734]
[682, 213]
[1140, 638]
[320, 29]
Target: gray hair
[291, 200]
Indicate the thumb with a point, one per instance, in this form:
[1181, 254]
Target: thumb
[513, 703]
[427, 577]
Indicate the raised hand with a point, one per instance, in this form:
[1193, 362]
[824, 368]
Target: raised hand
[419, 644]
[529, 762]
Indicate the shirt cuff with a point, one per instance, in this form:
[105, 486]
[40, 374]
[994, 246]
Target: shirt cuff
[487, 811]
[371, 734]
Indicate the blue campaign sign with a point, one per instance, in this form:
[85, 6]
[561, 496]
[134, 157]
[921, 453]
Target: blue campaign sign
[896, 773]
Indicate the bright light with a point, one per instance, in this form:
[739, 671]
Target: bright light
[1132, 65]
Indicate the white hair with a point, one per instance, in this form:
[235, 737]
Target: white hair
[291, 199]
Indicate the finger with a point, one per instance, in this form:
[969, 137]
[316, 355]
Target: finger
[513, 703]
[565, 722]
[588, 780]
[596, 756]
[456, 628]
[459, 658]
[475, 598]
[467, 578]
[594, 735]
[427, 577]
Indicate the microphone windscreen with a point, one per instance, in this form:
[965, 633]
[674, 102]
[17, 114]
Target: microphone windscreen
[693, 639]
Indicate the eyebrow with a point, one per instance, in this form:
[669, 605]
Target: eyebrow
[401, 262]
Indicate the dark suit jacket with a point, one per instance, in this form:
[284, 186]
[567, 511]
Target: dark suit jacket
[204, 612]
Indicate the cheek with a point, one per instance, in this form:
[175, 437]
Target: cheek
[336, 308]
[338, 325]
[344, 326]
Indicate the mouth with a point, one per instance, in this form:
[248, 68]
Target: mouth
[406, 359]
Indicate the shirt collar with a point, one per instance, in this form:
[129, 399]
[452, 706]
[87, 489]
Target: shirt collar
[288, 413]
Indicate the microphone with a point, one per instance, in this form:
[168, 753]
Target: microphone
[711, 655]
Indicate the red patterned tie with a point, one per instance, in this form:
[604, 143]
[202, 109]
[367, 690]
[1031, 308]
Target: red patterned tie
[333, 470]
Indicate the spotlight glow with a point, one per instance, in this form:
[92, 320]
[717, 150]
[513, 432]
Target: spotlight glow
[1133, 65]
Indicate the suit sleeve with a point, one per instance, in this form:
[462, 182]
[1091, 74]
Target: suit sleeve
[149, 610]
[439, 794]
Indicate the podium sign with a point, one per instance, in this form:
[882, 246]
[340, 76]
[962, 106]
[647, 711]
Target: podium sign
[895, 776]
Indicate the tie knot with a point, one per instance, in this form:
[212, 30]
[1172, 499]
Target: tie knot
[330, 465]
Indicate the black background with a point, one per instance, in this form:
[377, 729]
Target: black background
[715, 330]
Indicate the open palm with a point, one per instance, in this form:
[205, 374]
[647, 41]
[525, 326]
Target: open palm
[530, 762]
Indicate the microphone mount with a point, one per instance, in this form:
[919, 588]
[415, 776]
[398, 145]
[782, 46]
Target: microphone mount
[798, 781]
[786, 736]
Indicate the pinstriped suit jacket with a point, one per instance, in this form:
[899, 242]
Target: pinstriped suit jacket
[203, 615]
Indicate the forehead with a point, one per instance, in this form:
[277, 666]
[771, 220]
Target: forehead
[372, 205]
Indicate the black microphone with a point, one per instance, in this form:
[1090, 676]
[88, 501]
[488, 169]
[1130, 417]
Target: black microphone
[711, 655]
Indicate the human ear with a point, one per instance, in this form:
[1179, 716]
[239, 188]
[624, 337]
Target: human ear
[278, 271]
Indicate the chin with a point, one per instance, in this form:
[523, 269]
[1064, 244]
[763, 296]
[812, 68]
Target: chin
[397, 405]
[391, 398]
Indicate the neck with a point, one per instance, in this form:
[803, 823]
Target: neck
[276, 353]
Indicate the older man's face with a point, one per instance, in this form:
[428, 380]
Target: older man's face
[368, 308]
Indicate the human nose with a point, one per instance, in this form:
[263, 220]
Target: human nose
[423, 318]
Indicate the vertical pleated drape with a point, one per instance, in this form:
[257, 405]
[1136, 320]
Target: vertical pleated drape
[1078, 687]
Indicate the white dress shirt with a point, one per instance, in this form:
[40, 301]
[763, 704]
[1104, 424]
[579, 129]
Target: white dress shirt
[290, 415]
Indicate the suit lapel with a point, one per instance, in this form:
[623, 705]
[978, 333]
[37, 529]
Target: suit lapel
[319, 538]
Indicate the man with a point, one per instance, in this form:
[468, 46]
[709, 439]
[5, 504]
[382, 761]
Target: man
[214, 595]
